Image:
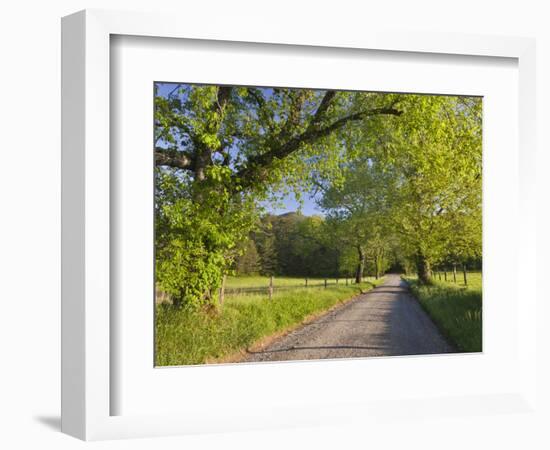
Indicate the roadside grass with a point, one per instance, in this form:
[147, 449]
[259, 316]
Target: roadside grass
[186, 337]
[474, 279]
[455, 308]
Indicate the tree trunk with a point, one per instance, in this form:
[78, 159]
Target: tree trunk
[423, 269]
[360, 264]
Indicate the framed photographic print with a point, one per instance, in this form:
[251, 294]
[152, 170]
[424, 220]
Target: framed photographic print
[249, 220]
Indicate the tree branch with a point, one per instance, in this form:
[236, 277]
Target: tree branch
[312, 134]
[224, 93]
[172, 158]
[203, 153]
[258, 97]
[353, 117]
[297, 99]
[323, 106]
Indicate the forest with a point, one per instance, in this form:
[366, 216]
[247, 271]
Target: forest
[292, 244]
[396, 180]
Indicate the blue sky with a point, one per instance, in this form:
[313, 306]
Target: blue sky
[308, 205]
[289, 203]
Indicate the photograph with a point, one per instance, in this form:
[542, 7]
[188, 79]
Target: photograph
[295, 224]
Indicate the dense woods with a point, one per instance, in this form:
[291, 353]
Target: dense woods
[397, 178]
[292, 244]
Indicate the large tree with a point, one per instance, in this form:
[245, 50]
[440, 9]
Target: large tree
[360, 210]
[219, 150]
[253, 131]
[415, 183]
[435, 148]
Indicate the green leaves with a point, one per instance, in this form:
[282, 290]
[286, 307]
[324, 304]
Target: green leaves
[416, 177]
[198, 228]
[400, 174]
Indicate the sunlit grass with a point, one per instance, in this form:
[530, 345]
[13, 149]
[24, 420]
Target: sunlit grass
[456, 308]
[195, 337]
[257, 281]
[474, 279]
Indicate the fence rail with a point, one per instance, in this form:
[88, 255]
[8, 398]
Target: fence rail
[438, 272]
[271, 286]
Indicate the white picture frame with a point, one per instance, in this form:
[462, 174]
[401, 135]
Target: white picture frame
[87, 328]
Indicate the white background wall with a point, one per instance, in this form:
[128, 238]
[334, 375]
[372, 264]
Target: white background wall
[30, 196]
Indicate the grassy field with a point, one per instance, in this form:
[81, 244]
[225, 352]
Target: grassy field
[455, 308]
[244, 284]
[194, 337]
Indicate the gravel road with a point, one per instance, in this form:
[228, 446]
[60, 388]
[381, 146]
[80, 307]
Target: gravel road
[385, 321]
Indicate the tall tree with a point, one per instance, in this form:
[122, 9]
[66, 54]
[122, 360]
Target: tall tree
[219, 150]
[418, 177]
[360, 209]
[248, 261]
[435, 147]
[252, 131]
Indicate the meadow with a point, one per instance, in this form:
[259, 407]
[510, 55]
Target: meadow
[255, 283]
[187, 336]
[456, 308]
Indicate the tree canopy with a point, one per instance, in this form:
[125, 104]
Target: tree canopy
[395, 174]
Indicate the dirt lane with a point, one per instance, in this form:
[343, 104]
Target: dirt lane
[385, 321]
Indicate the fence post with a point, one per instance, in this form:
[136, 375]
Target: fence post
[336, 280]
[271, 287]
[454, 272]
[222, 290]
[445, 274]
[306, 282]
[439, 275]
[325, 282]
[464, 272]
[346, 281]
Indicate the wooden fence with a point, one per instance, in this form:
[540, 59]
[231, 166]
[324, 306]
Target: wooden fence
[436, 273]
[271, 286]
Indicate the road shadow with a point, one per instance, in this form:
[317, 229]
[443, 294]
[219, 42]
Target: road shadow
[320, 347]
[388, 290]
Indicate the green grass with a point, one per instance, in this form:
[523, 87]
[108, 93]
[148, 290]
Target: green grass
[455, 308]
[259, 282]
[193, 337]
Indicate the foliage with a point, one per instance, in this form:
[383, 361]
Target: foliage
[399, 177]
[359, 213]
[292, 244]
[415, 189]
[194, 241]
[248, 262]
[435, 151]
[264, 238]
[220, 151]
